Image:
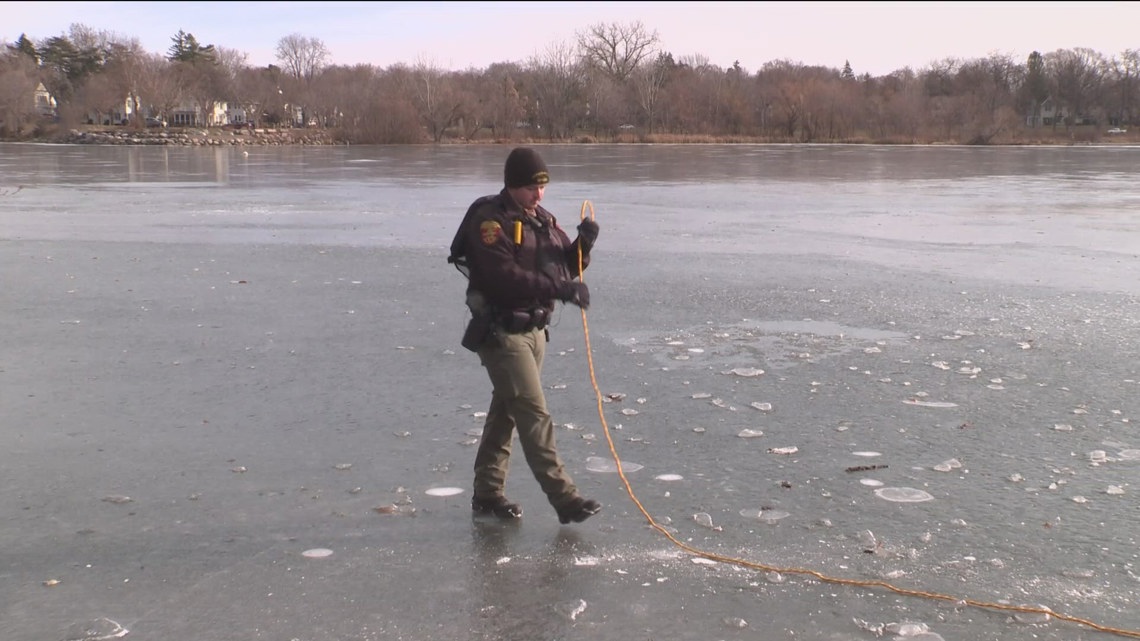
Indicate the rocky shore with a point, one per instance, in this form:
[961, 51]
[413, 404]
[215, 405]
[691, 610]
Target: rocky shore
[197, 137]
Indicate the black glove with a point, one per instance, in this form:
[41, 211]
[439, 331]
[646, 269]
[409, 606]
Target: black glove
[587, 234]
[574, 292]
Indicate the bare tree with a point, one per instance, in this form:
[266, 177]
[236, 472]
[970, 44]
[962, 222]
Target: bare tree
[1077, 75]
[301, 57]
[1123, 100]
[230, 63]
[608, 106]
[558, 100]
[617, 49]
[648, 80]
[123, 73]
[392, 118]
[473, 98]
[159, 89]
[506, 107]
[17, 92]
[1034, 89]
[786, 96]
[434, 95]
[987, 89]
[260, 90]
[692, 96]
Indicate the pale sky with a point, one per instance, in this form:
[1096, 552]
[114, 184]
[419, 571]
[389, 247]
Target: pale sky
[876, 37]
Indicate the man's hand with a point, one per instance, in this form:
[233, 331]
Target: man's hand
[587, 234]
[575, 293]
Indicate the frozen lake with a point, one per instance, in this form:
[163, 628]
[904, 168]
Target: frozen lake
[236, 406]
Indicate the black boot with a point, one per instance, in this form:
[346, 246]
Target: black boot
[577, 510]
[497, 505]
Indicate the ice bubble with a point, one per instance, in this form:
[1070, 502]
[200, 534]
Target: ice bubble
[443, 491]
[764, 515]
[572, 609]
[317, 553]
[1128, 455]
[734, 622]
[938, 404]
[1078, 574]
[745, 371]
[922, 636]
[704, 519]
[607, 466]
[668, 477]
[867, 454]
[907, 629]
[749, 433]
[791, 449]
[702, 395]
[903, 495]
[871, 482]
[100, 629]
[763, 407]
[946, 466]
[1040, 615]
[1114, 489]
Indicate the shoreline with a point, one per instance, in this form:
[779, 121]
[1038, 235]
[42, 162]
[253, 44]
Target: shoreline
[240, 137]
[196, 137]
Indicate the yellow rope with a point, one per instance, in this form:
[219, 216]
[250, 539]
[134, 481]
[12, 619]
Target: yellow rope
[791, 570]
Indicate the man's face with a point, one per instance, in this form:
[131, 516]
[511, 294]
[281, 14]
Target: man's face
[527, 197]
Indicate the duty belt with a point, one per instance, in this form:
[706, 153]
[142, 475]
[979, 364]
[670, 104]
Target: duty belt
[517, 321]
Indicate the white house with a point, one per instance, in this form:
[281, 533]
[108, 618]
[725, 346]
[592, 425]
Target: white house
[45, 103]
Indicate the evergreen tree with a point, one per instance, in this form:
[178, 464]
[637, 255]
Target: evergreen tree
[1036, 87]
[59, 55]
[847, 72]
[25, 46]
[187, 49]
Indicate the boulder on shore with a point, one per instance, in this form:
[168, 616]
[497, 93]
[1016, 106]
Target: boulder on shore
[197, 137]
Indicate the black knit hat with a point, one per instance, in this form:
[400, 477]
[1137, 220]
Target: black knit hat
[525, 167]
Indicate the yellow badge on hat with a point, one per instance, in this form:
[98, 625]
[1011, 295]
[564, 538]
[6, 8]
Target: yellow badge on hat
[490, 231]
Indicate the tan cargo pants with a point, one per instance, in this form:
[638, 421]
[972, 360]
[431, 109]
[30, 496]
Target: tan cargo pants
[514, 364]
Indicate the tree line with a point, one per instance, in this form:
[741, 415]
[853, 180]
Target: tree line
[613, 82]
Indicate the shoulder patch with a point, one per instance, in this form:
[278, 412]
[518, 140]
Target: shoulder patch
[490, 231]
